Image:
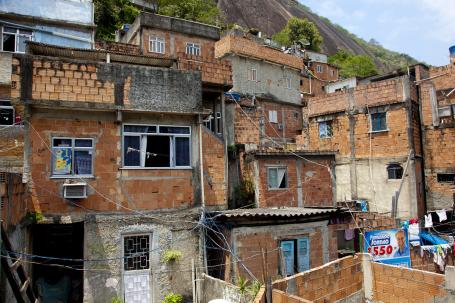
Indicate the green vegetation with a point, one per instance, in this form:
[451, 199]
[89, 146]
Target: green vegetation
[173, 298]
[110, 15]
[388, 60]
[171, 255]
[351, 65]
[116, 300]
[300, 30]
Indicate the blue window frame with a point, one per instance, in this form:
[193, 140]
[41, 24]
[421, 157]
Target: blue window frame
[378, 122]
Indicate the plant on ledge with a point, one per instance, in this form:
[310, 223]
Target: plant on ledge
[171, 255]
[173, 298]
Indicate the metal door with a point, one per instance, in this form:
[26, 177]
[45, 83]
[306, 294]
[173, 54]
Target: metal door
[303, 254]
[136, 269]
[287, 248]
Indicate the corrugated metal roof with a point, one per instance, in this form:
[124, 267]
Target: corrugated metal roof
[36, 48]
[276, 212]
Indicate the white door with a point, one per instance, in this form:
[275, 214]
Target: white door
[136, 269]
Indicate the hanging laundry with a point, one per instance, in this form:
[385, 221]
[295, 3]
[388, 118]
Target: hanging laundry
[349, 234]
[442, 215]
[428, 221]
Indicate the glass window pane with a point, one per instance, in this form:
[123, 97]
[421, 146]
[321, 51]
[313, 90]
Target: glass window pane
[174, 130]
[83, 143]
[182, 151]
[131, 151]
[83, 162]
[61, 163]
[9, 43]
[7, 29]
[146, 129]
[21, 43]
[25, 32]
[273, 178]
[62, 142]
[158, 151]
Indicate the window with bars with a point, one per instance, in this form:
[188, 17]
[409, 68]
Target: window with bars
[136, 252]
[13, 39]
[72, 157]
[319, 68]
[157, 45]
[325, 129]
[253, 74]
[156, 146]
[193, 49]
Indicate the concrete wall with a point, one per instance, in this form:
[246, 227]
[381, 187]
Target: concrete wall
[210, 288]
[271, 79]
[103, 240]
[65, 10]
[341, 84]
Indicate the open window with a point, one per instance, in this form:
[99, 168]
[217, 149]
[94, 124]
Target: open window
[277, 177]
[325, 129]
[156, 146]
[446, 178]
[72, 157]
[394, 171]
[7, 113]
[13, 39]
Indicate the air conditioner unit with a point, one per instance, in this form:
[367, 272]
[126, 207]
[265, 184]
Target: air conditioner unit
[75, 190]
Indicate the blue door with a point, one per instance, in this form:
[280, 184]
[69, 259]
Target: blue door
[287, 249]
[303, 254]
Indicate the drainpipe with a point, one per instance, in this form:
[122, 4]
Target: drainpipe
[201, 167]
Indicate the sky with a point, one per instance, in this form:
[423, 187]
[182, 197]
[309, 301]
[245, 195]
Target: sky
[424, 29]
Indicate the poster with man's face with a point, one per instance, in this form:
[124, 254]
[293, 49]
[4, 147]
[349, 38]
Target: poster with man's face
[389, 246]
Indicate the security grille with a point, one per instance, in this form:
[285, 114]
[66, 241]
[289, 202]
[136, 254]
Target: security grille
[136, 251]
[2, 177]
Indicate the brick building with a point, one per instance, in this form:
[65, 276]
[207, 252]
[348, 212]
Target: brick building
[437, 110]
[116, 147]
[375, 130]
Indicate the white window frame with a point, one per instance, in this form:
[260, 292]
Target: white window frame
[172, 144]
[288, 81]
[17, 34]
[73, 149]
[273, 116]
[277, 168]
[193, 49]
[157, 45]
[253, 74]
[319, 68]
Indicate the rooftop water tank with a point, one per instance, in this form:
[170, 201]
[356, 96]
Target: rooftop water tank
[452, 51]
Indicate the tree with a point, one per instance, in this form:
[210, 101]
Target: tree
[351, 65]
[110, 15]
[300, 30]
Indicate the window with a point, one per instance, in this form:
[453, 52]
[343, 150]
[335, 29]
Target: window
[446, 178]
[295, 256]
[273, 116]
[253, 74]
[395, 171]
[325, 129]
[72, 157]
[378, 122]
[156, 146]
[157, 45]
[13, 39]
[193, 49]
[136, 252]
[319, 68]
[7, 114]
[214, 123]
[332, 73]
[288, 83]
[277, 177]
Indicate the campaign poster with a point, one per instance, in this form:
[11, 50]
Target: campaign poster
[389, 246]
[62, 160]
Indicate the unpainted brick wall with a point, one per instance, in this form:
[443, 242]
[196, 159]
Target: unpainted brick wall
[251, 243]
[231, 44]
[400, 284]
[326, 73]
[331, 282]
[213, 152]
[118, 47]
[439, 141]
[316, 182]
[132, 189]
[291, 124]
